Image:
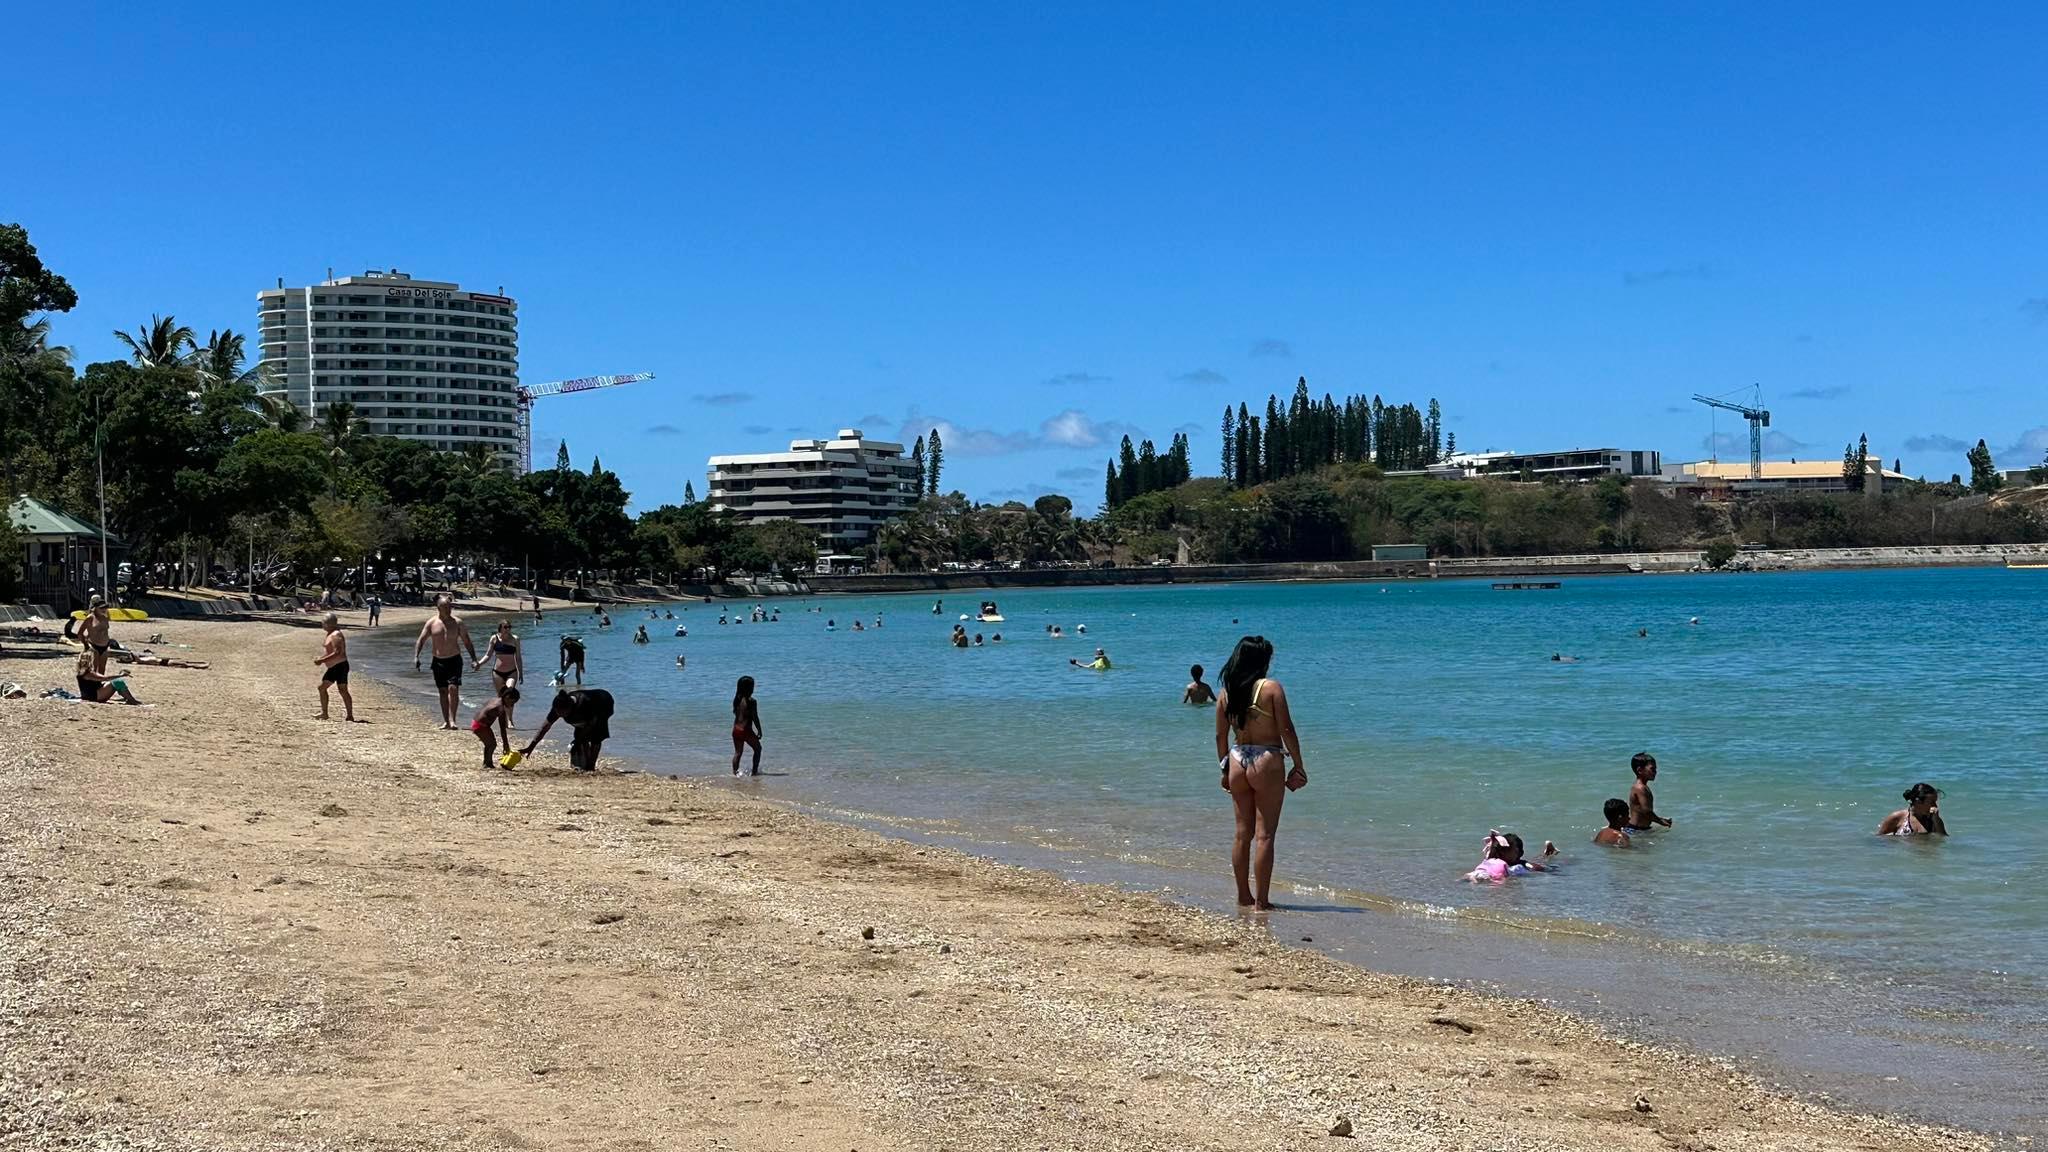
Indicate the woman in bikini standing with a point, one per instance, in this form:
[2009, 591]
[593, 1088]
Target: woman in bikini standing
[1254, 768]
[508, 663]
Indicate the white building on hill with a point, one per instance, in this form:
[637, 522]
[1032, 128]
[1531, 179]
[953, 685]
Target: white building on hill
[843, 488]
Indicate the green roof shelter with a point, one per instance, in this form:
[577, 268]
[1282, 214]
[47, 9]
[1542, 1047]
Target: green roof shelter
[60, 554]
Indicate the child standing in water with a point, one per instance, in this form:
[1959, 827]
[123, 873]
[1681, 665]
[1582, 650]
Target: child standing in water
[1197, 693]
[1616, 832]
[746, 725]
[1642, 807]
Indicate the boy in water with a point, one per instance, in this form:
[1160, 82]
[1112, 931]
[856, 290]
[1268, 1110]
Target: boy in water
[497, 710]
[1197, 693]
[1642, 807]
[334, 657]
[1616, 833]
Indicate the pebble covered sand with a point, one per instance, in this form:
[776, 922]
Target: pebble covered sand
[226, 925]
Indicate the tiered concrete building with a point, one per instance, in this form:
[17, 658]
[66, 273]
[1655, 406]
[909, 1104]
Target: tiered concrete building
[420, 359]
[843, 488]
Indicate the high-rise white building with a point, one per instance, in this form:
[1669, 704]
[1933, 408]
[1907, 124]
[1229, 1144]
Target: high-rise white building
[843, 488]
[420, 359]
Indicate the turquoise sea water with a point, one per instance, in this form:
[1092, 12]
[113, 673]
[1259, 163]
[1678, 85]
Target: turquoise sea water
[1769, 925]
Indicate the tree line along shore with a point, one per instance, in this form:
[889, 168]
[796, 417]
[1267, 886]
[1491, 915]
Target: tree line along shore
[206, 465]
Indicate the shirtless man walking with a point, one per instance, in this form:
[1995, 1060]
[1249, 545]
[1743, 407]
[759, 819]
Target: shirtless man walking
[451, 637]
[334, 657]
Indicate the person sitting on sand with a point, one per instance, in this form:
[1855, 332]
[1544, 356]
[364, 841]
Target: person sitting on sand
[1642, 807]
[572, 653]
[1501, 857]
[334, 655]
[97, 686]
[1254, 772]
[588, 712]
[1616, 833]
[1197, 692]
[497, 710]
[1099, 664]
[1920, 817]
[746, 724]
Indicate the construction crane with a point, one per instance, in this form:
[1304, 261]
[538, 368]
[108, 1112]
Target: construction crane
[556, 388]
[1758, 418]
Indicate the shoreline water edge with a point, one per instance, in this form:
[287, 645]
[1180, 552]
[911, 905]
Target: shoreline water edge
[299, 881]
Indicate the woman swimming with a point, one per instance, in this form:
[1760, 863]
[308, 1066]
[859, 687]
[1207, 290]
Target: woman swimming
[1920, 817]
[1253, 768]
[746, 724]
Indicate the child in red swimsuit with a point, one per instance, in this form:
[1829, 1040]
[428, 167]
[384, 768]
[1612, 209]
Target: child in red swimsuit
[497, 710]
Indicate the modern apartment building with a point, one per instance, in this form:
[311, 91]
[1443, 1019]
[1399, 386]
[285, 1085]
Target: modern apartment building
[420, 359]
[843, 488]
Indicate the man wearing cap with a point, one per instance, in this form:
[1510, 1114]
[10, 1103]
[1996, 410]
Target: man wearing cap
[94, 631]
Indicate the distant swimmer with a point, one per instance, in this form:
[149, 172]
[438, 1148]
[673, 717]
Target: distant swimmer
[1099, 664]
[938, 606]
[996, 639]
[681, 661]
[1642, 633]
[959, 637]
[1694, 620]
[1501, 857]
[831, 625]
[1080, 629]
[640, 634]
[1197, 692]
[977, 639]
[1920, 817]
[1561, 658]
[1642, 807]
[1616, 832]
[857, 627]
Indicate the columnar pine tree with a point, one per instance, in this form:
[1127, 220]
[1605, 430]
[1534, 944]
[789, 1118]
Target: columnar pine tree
[1112, 488]
[1247, 461]
[1274, 463]
[1229, 446]
[689, 493]
[1253, 454]
[1126, 471]
[562, 457]
[1450, 444]
[1984, 475]
[935, 458]
[917, 460]
[1863, 463]
[1433, 430]
[1148, 469]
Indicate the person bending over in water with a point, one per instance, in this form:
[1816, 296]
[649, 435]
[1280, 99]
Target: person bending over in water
[1642, 807]
[1616, 832]
[1254, 772]
[572, 653]
[1197, 693]
[1501, 857]
[746, 724]
[1920, 817]
[497, 710]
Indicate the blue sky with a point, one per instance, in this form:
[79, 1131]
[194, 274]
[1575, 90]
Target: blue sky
[1042, 228]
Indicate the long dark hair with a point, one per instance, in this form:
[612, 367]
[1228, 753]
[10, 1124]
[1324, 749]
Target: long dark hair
[1246, 667]
[743, 692]
[1922, 791]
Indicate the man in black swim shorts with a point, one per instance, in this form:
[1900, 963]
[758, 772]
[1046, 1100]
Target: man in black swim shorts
[450, 636]
[334, 654]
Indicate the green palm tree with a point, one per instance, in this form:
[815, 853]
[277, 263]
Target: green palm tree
[278, 409]
[163, 343]
[339, 424]
[27, 344]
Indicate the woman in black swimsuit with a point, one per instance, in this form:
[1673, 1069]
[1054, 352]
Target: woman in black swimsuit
[508, 663]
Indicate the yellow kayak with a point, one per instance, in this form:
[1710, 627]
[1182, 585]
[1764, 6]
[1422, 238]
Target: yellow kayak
[129, 614]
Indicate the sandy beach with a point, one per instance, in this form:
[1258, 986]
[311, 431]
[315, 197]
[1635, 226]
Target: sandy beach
[226, 925]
